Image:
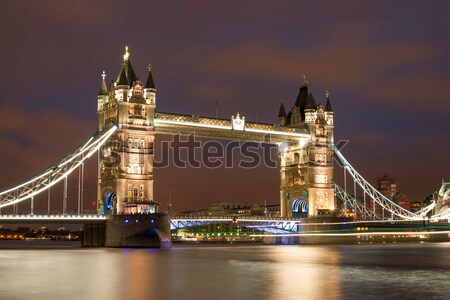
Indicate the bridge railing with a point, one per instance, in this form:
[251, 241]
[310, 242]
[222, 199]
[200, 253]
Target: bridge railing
[226, 123]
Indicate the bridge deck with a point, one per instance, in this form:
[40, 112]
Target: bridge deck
[222, 129]
[44, 219]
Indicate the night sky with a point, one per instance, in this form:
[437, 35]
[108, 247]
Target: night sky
[385, 63]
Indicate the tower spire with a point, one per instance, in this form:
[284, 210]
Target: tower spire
[103, 90]
[304, 83]
[122, 79]
[126, 56]
[150, 84]
[328, 104]
[282, 112]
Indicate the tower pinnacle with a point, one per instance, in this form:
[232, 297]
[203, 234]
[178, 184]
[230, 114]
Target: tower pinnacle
[150, 84]
[126, 56]
[103, 89]
[328, 103]
[304, 82]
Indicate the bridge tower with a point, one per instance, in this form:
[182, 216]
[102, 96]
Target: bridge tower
[306, 165]
[125, 172]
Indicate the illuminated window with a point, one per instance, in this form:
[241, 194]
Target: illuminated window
[142, 187]
[135, 192]
[321, 178]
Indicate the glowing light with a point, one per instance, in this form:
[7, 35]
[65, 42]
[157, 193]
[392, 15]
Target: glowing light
[358, 234]
[273, 132]
[126, 56]
[51, 217]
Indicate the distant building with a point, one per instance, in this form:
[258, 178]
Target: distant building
[269, 211]
[223, 209]
[442, 198]
[386, 185]
[232, 232]
[229, 208]
[416, 205]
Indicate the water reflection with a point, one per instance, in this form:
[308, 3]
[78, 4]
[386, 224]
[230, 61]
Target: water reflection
[273, 272]
[298, 273]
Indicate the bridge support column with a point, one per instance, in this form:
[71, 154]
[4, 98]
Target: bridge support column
[130, 231]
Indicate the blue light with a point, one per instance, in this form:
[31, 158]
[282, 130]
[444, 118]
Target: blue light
[152, 221]
[137, 221]
[126, 221]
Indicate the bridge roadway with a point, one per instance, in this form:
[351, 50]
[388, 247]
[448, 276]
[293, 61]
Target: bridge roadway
[274, 225]
[47, 219]
[205, 127]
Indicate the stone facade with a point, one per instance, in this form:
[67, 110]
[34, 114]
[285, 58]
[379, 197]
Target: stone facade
[135, 230]
[125, 177]
[306, 164]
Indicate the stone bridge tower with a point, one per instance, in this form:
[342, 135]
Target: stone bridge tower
[306, 165]
[125, 176]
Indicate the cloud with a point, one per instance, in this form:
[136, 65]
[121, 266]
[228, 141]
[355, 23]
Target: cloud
[414, 91]
[338, 64]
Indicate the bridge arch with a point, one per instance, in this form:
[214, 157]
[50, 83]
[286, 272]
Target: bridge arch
[110, 204]
[299, 207]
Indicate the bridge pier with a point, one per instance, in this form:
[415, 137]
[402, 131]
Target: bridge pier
[130, 231]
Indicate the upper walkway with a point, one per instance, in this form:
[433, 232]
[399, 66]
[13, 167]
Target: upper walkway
[238, 130]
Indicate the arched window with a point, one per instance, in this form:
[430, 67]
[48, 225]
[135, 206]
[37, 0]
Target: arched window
[296, 158]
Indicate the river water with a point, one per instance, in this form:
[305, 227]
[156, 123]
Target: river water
[387, 271]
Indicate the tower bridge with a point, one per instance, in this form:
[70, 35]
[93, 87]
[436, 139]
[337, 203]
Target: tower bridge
[127, 124]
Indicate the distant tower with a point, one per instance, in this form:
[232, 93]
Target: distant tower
[125, 179]
[306, 166]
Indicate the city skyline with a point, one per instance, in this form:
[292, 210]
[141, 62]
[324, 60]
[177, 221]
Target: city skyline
[385, 69]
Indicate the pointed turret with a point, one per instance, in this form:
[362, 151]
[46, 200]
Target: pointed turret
[122, 79]
[102, 97]
[309, 107]
[150, 84]
[128, 75]
[305, 99]
[282, 118]
[329, 115]
[282, 112]
[310, 102]
[328, 104]
[150, 89]
[103, 90]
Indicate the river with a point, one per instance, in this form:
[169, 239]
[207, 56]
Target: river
[383, 271]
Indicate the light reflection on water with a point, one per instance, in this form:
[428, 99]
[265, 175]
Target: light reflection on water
[240, 272]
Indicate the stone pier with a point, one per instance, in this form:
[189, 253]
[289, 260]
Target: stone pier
[128, 231]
